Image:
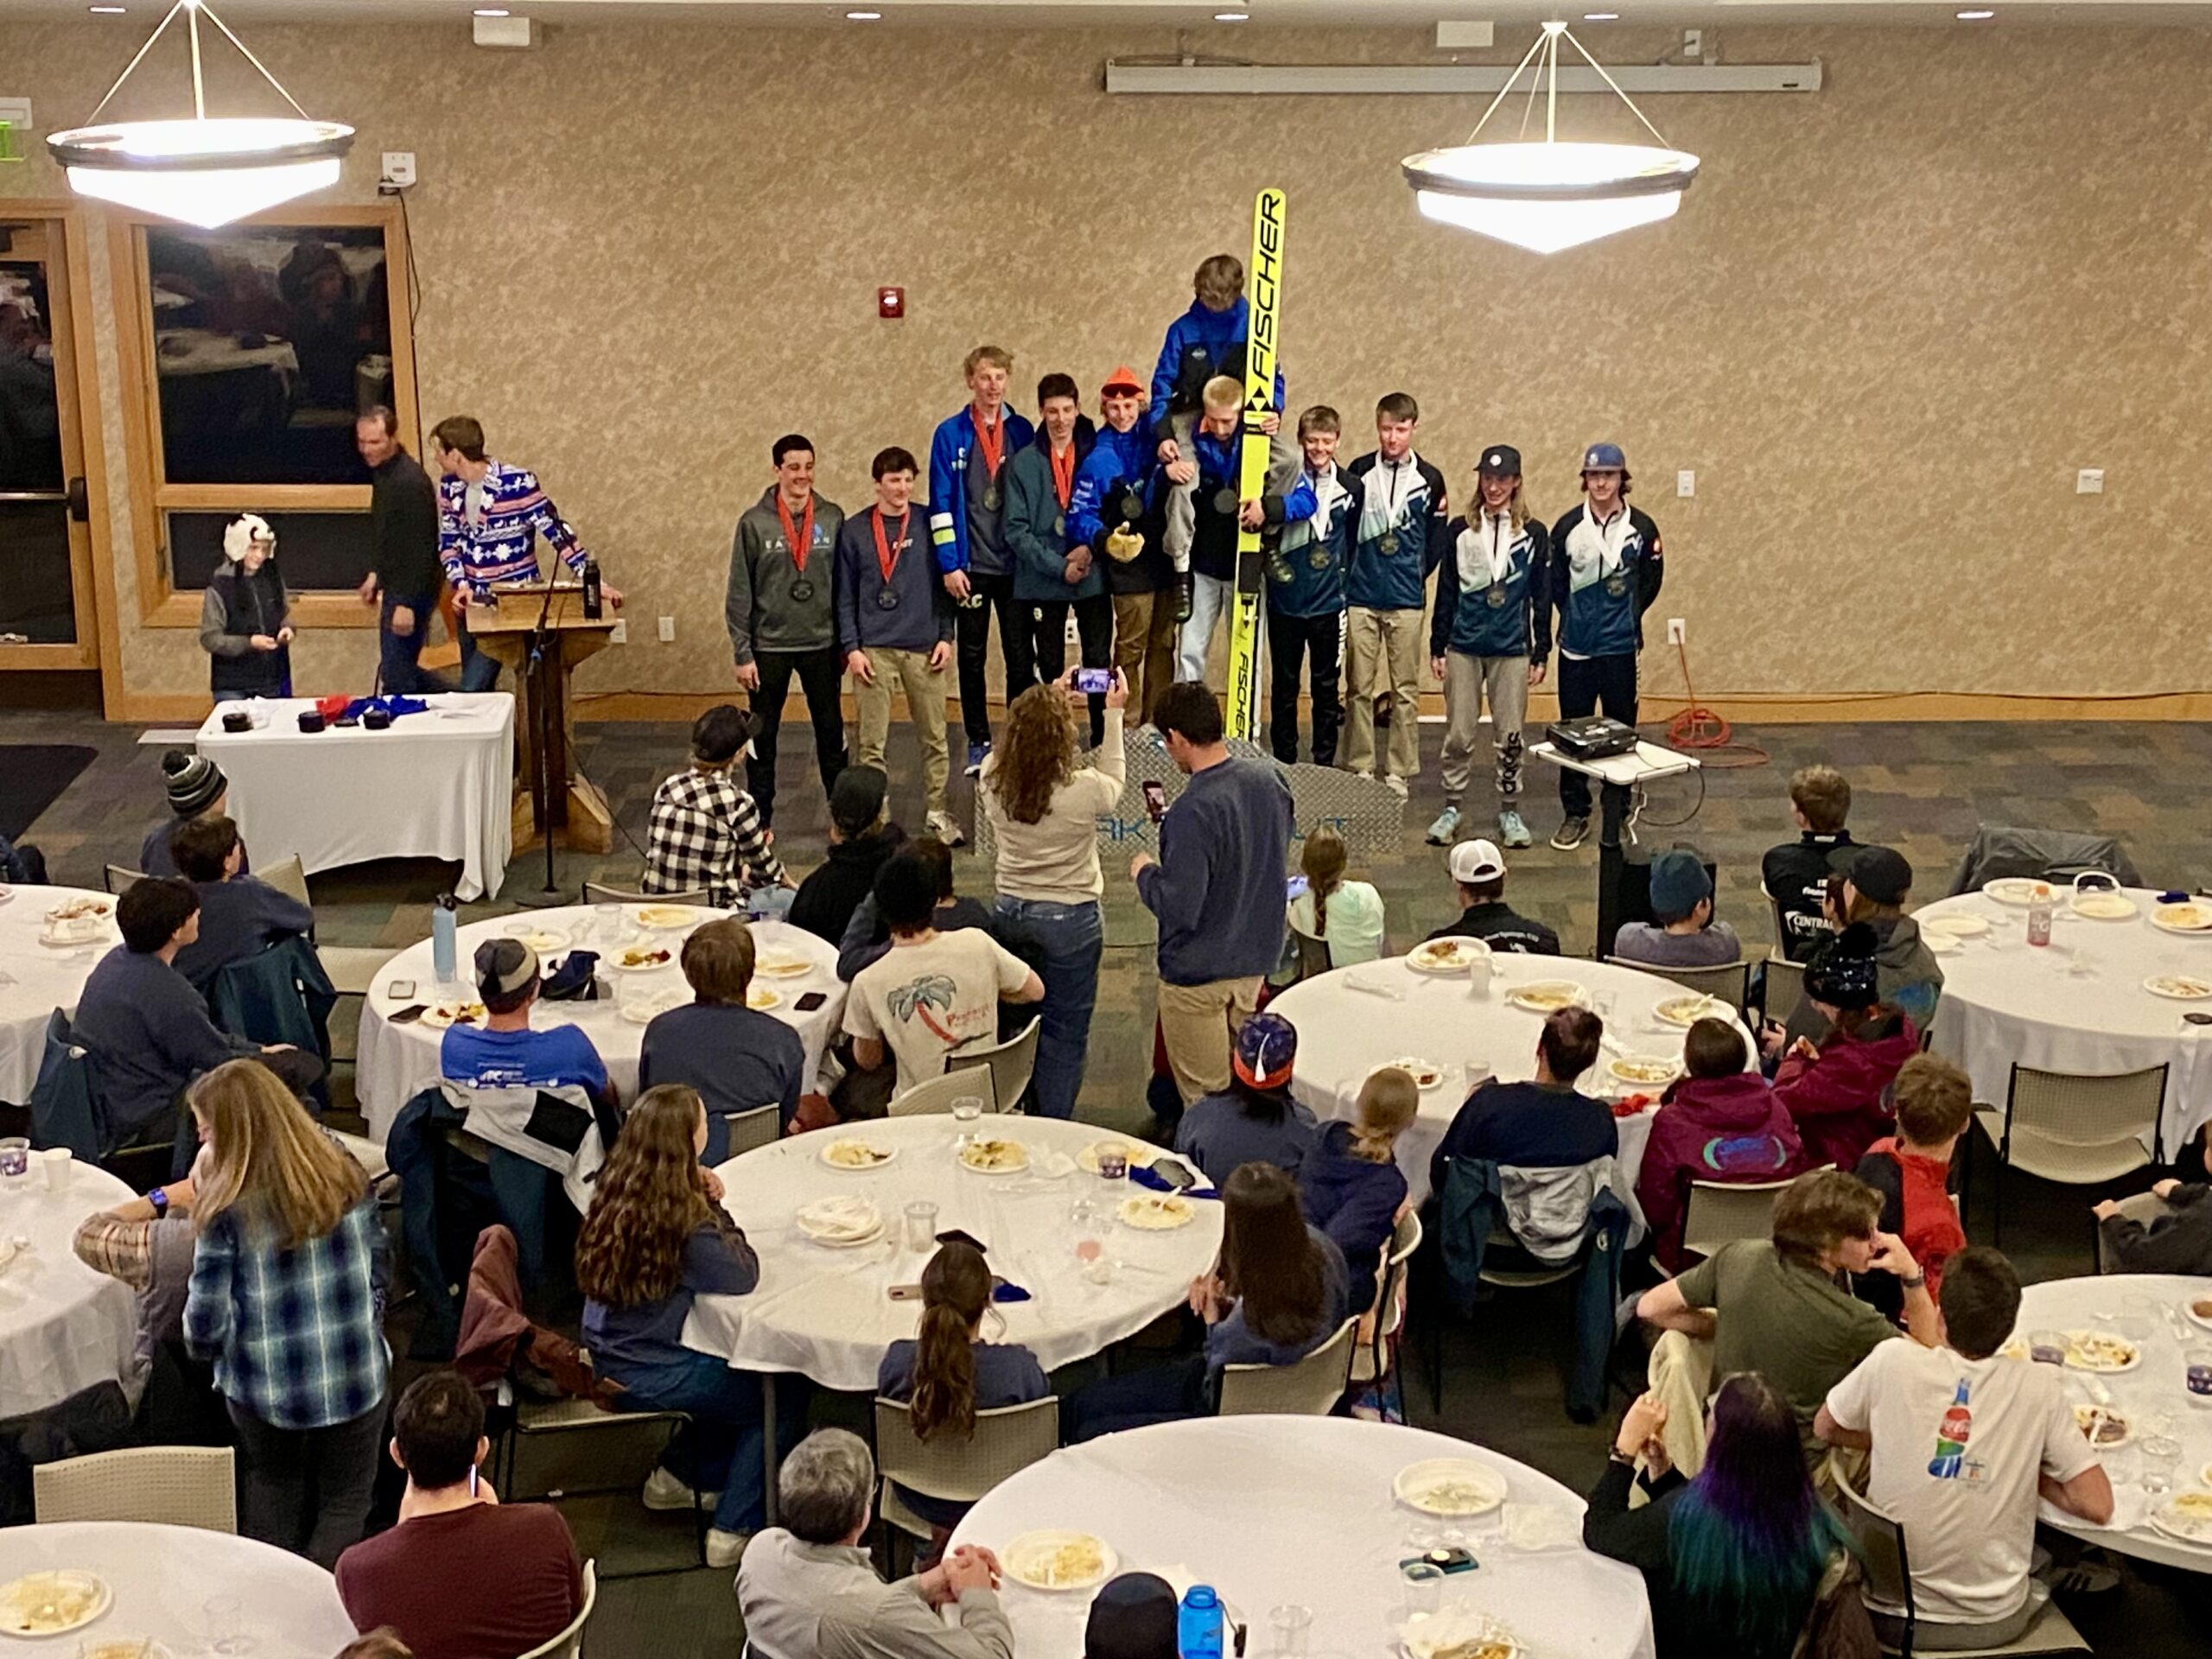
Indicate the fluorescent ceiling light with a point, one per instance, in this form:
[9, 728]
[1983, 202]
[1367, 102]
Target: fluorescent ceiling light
[1975, 16]
[1601, 16]
[1231, 16]
[106, 11]
[863, 16]
[493, 12]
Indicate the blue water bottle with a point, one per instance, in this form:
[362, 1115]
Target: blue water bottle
[1198, 1624]
[442, 924]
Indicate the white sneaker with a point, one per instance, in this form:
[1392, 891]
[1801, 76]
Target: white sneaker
[1363, 775]
[941, 825]
[726, 1548]
[1397, 786]
[665, 1491]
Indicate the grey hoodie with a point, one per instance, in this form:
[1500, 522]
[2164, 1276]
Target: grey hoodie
[760, 607]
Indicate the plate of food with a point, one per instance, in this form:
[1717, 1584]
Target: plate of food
[2185, 1515]
[642, 1008]
[1426, 1074]
[2188, 916]
[1449, 1486]
[1445, 956]
[1139, 1156]
[1156, 1212]
[81, 930]
[661, 918]
[1645, 1069]
[839, 1223]
[2096, 1352]
[991, 1156]
[1456, 1633]
[543, 940]
[2181, 988]
[1053, 1560]
[78, 910]
[782, 964]
[641, 959]
[2018, 891]
[851, 1153]
[2108, 1429]
[53, 1603]
[1687, 1011]
[761, 998]
[1959, 923]
[1546, 995]
[2103, 905]
[439, 1015]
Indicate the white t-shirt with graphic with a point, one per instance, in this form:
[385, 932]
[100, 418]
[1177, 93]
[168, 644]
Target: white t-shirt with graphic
[924, 1001]
[1958, 1446]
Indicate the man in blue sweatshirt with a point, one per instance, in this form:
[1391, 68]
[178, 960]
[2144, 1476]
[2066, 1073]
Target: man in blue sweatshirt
[1306, 594]
[1206, 340]
[1054, 568]
[1399, 540]
[1216, 890]
[1113, 514]
[240, 915]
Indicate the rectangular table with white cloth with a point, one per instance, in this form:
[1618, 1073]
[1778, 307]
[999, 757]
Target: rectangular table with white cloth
[437, 784]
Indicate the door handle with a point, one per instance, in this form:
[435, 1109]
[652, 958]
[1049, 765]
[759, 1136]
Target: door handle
[80, 501]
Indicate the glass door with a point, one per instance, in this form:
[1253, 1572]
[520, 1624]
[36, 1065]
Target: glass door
[45, 546]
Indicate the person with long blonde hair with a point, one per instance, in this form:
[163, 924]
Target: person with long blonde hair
[1344, 915]
[1351, 1184]
[286, 1301]
[655, 1237]
[1043, 808]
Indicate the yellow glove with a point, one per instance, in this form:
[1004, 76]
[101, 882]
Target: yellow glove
[1123, 544]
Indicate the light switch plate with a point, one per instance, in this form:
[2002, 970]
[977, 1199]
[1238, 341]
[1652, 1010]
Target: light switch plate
[1685, 484]
[2090, 481]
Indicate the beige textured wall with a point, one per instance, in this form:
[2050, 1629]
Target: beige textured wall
[1890, 320]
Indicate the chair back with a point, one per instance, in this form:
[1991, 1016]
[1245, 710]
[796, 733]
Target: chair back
[1012, 1064]
[2057, 855]
[1881, 1549]
[120, 877]
[2070, 1118]
[598, 893]
[164, 1485]
[749, 1131]
[63, 1111]
[1728, 981]
[1312, 955]
[278, 996]
[1305, 1388]
[570, 1645]
[1785, 988]
[1006, 1440]
[289, 877]
[1720, 1212]
[937, 1094]
[1391, 1295]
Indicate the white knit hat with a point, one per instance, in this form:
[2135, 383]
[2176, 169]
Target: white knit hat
[242, 533]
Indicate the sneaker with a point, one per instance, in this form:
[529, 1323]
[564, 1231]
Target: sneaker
[1397, 785]
[1439, 833]
[1571, 834]
[665, 1491]
[726, 1548]
[1510, 829]
[1183, 588]
[941, 825]
[976, 754]
[1363, 775]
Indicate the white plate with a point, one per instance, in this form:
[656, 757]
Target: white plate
[78, 910]
[1139, 1155]
[760, 998]
[2114, 1418]
[644, 1010]
[883, 1155]
[2188, 1530]
[840, 1223]
[1014, 1164]
[1426, 1074]
[439, 1015]
[20, 1600]
[1446, 958]
[1029, 1561]
[2188, 1311]
[779, 965]
[2018, 891]
[2102, 905]
[1156, 1212]
[2192, 919]
[614, 959]
[669, 917]
[1944, 944]
[1472, 1488]
[1961, 925]
[1537, 995]
[544, 941]
[2179, 987]
[1623, 1068]
[1455, 1629]
[1685, 1011]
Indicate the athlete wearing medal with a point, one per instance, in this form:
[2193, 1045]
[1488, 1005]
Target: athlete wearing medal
[1112, 514]
[1399, 540]
[1305, 595]
[1054, 569]
[778, 609]
[894, 627]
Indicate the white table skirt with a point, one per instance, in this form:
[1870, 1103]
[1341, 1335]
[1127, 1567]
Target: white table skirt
[63, 1327]
[36, 979]
[398, 1062]
[163, 1578]
[439, 784]
[825, 1311]
[2075, 1004]
[1272, 1511]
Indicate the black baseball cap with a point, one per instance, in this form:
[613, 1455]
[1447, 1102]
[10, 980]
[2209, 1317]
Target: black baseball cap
[1500, 461]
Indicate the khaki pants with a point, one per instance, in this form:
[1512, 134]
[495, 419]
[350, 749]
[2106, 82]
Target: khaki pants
[1196, 1023]
[1467, 681]
[925, 688]
[1386, 651]
[1144, 647]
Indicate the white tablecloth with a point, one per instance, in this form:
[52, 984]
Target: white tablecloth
[163, 1578]
[2137, 1302]
[62, 1327]
[398, 1062]
[825, 1311]
[439, 784]
[1272, 1511]
[2075, 1004]
[36, 979]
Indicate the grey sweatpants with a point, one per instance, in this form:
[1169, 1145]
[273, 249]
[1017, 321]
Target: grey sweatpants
[1467, 681]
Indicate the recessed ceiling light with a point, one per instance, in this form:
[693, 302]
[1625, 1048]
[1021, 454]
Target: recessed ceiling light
[1232, 16]
[107, 11]
[1975, 16]
[492, 11]
[863, 16]
[1601, 16]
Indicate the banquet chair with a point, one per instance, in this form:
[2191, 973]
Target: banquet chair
[1720, 1212]
[565, 1419]
[1006, 1440]
[289, 877]
[1313, 956]
[1729, 981]
[2144, 1208]
[1785, 988]
[1888, 1563]
[120, 878]
[1012, 1063]
[743, 1132]
[937, 1094]
[1375, 1359]
[164, 1485]
[598, 893]
[2000, 850]
[570, 1645]
[2077, 1130]
[1311, 1386]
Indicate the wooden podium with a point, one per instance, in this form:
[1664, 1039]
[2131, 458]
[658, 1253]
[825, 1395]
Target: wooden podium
[572, 810]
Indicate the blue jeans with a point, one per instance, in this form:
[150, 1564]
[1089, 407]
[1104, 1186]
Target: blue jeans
[1063, 943]
[398, 674]
[1167, 1393]
[721, 1448]
[478, 671]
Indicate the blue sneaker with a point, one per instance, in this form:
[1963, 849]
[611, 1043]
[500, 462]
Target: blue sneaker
[1510, 829]
[1440, 832]
[976, 753]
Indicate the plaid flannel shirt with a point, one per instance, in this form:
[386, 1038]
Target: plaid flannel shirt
[297, 1336]
[705, 832]
[496, 551]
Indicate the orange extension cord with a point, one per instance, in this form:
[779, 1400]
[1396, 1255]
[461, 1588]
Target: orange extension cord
[1698, 727]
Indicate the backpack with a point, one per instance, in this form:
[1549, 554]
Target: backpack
[1838, 1627]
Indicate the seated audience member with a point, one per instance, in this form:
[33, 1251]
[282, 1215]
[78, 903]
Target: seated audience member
[1734, 1560]
[932, 993]
[1968, 1511]
[195, 786]
[426, 1578]
[240, 916]
[1783, 1306]
[1873, 894]
[737, 1058]
[1911, 1170]
[808, 1589]
[1278, 1291]
[1542, 1124]
[950, 1373]
[1683, 933]
[1478, 876]
[860, 841]
[147, 1243]
[1837, 1088]
[507, 1053]
[1132, 1616]
[1346, 916]
[1795, 873]
[655, 1238]
[2176, 1238]
[1257, 1121]
[376, 1645]
[868, 936]
[1351, 1185]
[704, 831]
[1717, 1123]
[22, 865]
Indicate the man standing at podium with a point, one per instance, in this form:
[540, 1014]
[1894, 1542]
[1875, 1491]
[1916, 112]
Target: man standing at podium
[489, 514]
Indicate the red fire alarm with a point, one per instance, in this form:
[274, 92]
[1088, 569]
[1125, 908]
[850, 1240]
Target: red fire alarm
[890, 301]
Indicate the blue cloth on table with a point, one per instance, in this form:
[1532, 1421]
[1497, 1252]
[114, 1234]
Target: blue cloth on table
[1146, 1177]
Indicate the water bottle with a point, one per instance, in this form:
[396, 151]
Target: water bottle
[1198, 1624]
[591, 590]
[443, 922]
[2039, 908]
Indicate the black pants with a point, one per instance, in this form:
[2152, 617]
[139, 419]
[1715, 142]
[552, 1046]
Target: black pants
[1586, 687]
[1290, 639]
[1015, 644]
[818, 672]
[1094, 627]
[308, 1490]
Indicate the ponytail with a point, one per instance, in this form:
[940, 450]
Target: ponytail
[1323, 859]
[956, 1288]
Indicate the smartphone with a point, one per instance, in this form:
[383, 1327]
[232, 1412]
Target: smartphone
[1454, 1560]
[1176, 1174]
[1094, 681]
[954, 1236]
[400, 989]
[1155, 801]
[2198, 1019]
[904, 1292]
[1295, 888]
[811, 1000]
[408, 1016]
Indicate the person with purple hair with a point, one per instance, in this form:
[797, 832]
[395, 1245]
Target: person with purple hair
[1735, 1558]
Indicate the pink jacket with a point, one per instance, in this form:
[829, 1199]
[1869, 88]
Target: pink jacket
[1841, 1100]
[1711, 1129]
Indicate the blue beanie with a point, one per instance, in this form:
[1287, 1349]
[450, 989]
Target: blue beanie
[1678, 881]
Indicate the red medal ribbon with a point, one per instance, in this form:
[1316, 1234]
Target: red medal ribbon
[799, 538]
[991, 443]
[1063, 477]
[887, 559]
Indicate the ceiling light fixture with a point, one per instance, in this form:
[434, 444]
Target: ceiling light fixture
[1550, 195]
[206, 171]
[1601, 16]
[493, 12]
[1975, 16]
[863, 16]
[1232, 16]
[107, 11]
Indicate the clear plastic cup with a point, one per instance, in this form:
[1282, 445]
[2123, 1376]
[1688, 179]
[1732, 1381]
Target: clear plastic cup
[15, 1157]
[608, 920]
[921, 1225]
[2159, 1454]
[1293, 1627]
[225, 1616]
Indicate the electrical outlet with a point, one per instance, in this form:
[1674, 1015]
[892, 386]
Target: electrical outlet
[1693, 43]
[2090, 481]
[1678, 631]
[1685, 484]
[621, 633]
[667, 629]
[400, 169]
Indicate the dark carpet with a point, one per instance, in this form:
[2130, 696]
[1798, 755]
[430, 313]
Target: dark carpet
[32, 778]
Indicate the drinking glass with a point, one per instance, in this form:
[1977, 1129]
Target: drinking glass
[225, 1616]
[2196, 1375]
[1424, 1591]
[1292, 1626]
[15, 1156]
[608, 918]
[2047, 1347]
[921, 1225]
[2159, 1454]
[965, 1111]
[1112, 1165]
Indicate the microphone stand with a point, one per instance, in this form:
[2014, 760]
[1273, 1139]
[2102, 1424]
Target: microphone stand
[549, 732]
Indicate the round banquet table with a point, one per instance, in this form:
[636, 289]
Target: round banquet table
[398, 1062]
[163, 1578]
[2077, 1005]
[63, 1327]
[2137, 1302]
[1272, 1511]
[825, 1311]
[36, 979]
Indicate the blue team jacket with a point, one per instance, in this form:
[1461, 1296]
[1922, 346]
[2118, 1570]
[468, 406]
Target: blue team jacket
[949, 447]
[1405, 507]
[1117, 461]
[1198, 343]
[1601, 611]
[1485, 617]
[1306, 576]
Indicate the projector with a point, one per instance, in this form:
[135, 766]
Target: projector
[1591, 738]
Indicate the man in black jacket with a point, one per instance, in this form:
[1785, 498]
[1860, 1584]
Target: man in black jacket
[403, 552]
[1795, 875]
[859, 842]
[1478, 875]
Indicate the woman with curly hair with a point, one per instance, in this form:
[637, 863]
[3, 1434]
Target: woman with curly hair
[655, 1237]
[1044, 813]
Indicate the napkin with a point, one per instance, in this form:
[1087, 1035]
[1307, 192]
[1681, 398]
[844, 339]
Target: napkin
[841, 1217]
[1159, 1183]
[572, 981]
